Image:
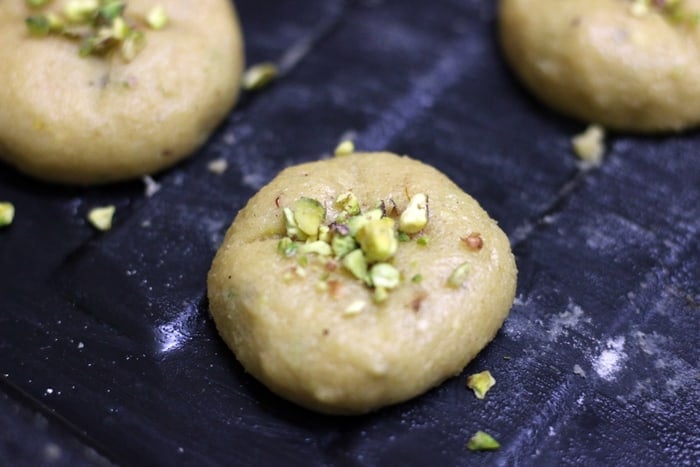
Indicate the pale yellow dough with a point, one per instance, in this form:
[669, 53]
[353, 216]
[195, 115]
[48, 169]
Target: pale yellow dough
[599, 62]
[94, 120]
[296, 338]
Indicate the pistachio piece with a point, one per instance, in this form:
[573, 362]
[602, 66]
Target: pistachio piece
[417, 278]
[324, 234]
[79, 11]
[356, 222]
[37, 3]
[480, 383]
[291, 225]
[133, 44]
[423, 241]
[458, 276]
[157, 18]
[7, 213]
[120, 30]
[380, 294]
[404, 237]
[356, 263]
[415, 216]
[384, 275]
[348, 203]
[589, 146]
[258, 76]
[110, 10]
[482, 441]
[345, 148]
[287, 246]
[319, 247]
[342, 245]
[377, 239]
[101, 218]
[309, 215]
[38, 25]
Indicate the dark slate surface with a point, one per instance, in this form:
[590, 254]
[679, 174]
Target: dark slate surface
[105, 338]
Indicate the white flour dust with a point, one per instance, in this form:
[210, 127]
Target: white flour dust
[610, 360]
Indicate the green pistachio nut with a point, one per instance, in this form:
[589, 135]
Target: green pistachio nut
[415, 216]
[318, 247]
[7, 213]
[378, 240]
[458, 276]
[80, 11]
[157, 18]
[287, 246]
[309, 214]
[356, 263]
[385, 276]
[290, 225]
[355, 223]
[348, 203]
[482, 441]
[342, 245]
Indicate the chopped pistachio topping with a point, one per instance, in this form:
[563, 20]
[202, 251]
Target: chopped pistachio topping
[380, 294]
[309, 214]
[157, 18]
[417, 278]
[482, 441]
[355, 223]
[348, 203]
[342, 245]
[258, 76]
[101, 218]
[98, 25]
[7, 213]
[356, 263]
[37, 3]
[480, 383]
[458, 276]
[415, 217]
[345, 148]
[319, 247]
[423, 241]
[385, 275]
[378, 240]
[404, 237]
[287, 246]
[589, 146]
[360, 243]
[38, 25]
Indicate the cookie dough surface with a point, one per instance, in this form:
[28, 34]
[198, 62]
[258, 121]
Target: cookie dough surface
[91, 120]
[607, 62]
[297, 337]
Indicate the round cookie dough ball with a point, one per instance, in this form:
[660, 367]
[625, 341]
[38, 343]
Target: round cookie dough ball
[619, 63]
[312, 330]
[97, 119]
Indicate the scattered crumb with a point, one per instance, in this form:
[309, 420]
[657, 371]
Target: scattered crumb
[101, 218]
[589, 146]
[480, 383]
[7, 213]
[482, 441]
[217, 166]
[260, 75]
[579, 371]
[345, 148]
[152, 187]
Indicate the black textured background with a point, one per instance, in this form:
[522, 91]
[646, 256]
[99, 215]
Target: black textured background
[107, 353]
